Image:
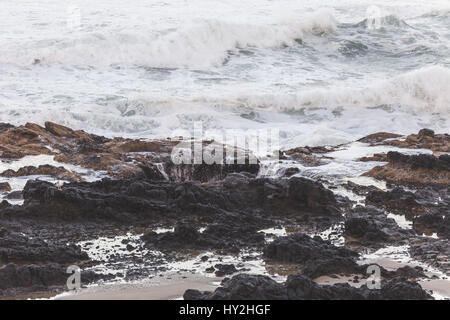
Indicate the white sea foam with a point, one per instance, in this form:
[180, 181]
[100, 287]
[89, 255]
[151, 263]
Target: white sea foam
[199, 44]
[149, 69]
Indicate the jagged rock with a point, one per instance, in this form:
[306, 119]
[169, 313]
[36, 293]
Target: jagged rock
[5, 187]
[414, 170]
[224, 269]
[430, 223]
[21, 249]
[371, 227]
[146, 200]
[15, 195]
[332, 266]
[119, 157]
[216, 236]
[428, 208]
[380, 157]
[21, 279]
[47, 170]
[425, 139]
[300, 287]
[5, 126]
[31, 276]
[359, 189]
[433, 252]
[243, 287]
[307, 156]
[378, 137]
[318, 257]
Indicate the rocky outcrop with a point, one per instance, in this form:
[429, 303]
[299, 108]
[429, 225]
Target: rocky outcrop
[359, 189]
[217, 207]
[307, 156]
[5, 187]
[300, 287]
[433, 252]
[224, 269]
[301, 248]
[33, 277]
[376, 138]
[18, 248]
[397, 200]
[316, 256]
[414, 170]
[427, 208]
[144, 200]
[59, 173]
[425, 139]
[216, 236]
[380, 157]
[369, 226]
[431, 223]
[22, 279]
[119, 157]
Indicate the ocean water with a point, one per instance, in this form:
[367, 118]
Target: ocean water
[322, 72]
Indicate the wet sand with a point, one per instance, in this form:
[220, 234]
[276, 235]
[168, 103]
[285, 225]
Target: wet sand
[152, 289]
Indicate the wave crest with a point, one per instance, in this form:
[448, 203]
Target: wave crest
[199, 45]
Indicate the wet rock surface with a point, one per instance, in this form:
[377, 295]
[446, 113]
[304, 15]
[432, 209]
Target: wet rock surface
[46, 170]
[119, 157]
[227, 237]
[414, 170]
[434, 252]
[371, 227]
[5, 187]
[301, 248]
[300, 287]
[143, 201]
[424, 139]
[21, 279]
[224, 209]
[16, 247]
[307, 156]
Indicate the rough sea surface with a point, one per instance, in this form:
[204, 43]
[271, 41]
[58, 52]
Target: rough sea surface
[323, 72]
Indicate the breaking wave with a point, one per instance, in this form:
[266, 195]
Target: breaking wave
[198, 45]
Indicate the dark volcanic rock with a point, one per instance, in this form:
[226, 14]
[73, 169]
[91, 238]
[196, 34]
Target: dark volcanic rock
[243, 287]
[301, 248]
[318, 257]
[47, 170]
[332, 266]
[120, 157]
[229, 237]
[371, 227]
[428, 208]
[129, 201]
[414, 170]
[307, 156]
[433, 252]
[380, 157]
[425, 139]
[300, 287]
[225, 269]
[436, 218]
[25, 279]
[397, 200]
[15, 195]
[433, 223]
[18, 248]
[31, 276]
[359, 189]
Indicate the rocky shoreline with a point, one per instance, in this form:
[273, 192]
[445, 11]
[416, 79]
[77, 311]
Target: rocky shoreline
[66, 193]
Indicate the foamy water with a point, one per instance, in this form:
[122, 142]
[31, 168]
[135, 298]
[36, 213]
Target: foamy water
[323, 72]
